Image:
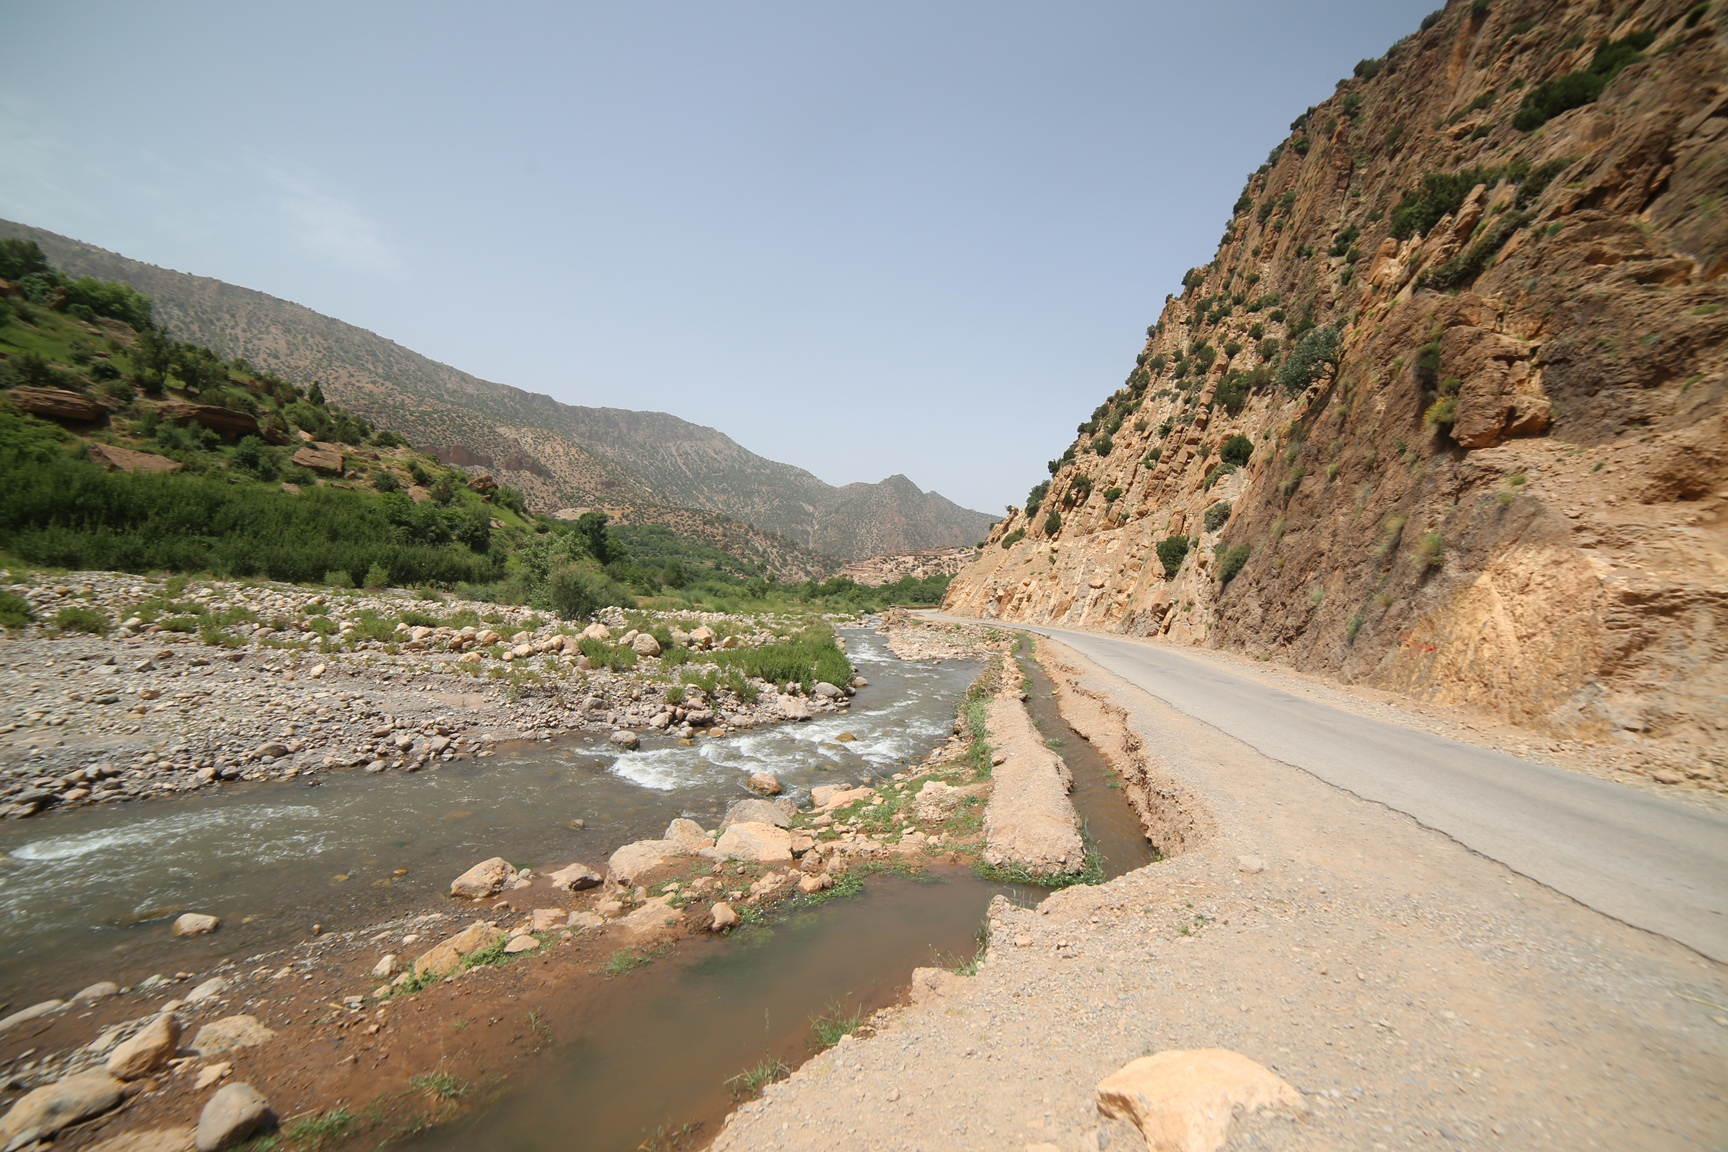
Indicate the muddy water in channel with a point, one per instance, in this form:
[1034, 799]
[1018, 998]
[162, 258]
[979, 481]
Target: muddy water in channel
[1112, 825]
[88, 894]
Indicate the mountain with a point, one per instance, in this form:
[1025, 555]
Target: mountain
[557, 454]
[1446, 413]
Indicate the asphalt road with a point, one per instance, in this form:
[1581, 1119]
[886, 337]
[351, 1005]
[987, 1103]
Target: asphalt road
[1651, 862]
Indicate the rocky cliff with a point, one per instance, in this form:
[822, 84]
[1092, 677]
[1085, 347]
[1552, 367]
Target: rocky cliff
[556, 454]
[1445, 413]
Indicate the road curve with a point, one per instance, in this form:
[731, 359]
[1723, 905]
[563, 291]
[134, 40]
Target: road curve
[1651, 862]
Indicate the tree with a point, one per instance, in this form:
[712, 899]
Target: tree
[21, 258]
[1314, 355]
[316, 395]
[153, 353]
[596, 540]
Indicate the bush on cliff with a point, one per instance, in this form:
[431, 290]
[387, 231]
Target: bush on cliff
[1172, 550]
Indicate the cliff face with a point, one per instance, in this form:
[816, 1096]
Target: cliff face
[1486, 460]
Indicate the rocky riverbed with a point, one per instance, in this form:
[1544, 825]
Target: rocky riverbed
[377, 1016]
[130, 687]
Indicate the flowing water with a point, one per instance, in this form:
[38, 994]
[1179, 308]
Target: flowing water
[88, 894]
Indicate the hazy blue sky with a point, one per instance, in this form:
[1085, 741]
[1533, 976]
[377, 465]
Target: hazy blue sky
[862, 238]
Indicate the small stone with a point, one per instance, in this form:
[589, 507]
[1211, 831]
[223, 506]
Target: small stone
[229, 1033]
[208, 990]
[547, 919]
[763, 784]
[808, 883]
[625, 739]
[486, 878]
[893, 1095]
[211, 1073]
[1250, 864]
[196, 924]
[575, 878]
[722, 917]
[234, 1113]
[522, 943]
[147, 1051]
[1667, 776]
[386, 967]
[1022, 941]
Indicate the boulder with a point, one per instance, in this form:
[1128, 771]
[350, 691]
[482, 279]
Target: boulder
[763, 784]
[126, 460]
[42, 1113]
[234, 1113]
[151, 1048]
[838, 797]
[445, 958]
[57, 404]
[208, 990]
[688, 833]
[323, 459]
[228, 1033]
[547, 919]
[575, 878]
[100, 990]
[702, 636]
[486, 878]
[654, 916]
[25, 1015]
[223, 421]
[759, 843]
[636, 860]
[155, 1140]
[827, 691]
[521, 943]
[595, 631]
[386, 967]
[794, 708]
[483, 484]
[1182, 1100]
[645, 645]
[722, 917]
[196, 924]
[625, 739]
[760, 812]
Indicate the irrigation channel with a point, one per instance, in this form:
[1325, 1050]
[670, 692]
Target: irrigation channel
[88, 894]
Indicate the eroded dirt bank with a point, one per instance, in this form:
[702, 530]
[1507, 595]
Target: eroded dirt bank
[1417, 994]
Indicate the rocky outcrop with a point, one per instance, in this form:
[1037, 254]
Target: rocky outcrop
[1444, 414]
[126, 460]
[223, 421]
[324, 459]
[57, 404]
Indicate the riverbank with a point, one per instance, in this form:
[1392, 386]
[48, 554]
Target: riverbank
[1416, 994]
[129, 688]
[392, 1051]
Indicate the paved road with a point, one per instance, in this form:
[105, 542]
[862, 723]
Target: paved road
[1652, 862]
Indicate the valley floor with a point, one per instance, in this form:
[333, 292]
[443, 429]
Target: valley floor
[1417, 993]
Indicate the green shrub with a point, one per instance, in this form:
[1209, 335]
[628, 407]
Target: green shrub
[15, 611]
[1342, 241]
[1217, 515]
[377, 576]
[1218, 472]
[1111, 495]
[1035, 498]
[1172, 550]
[1237, 450]
[79, 619]
[1231, 562]
[603, 655]
[1368, 69]
[1468, 264]
[575, 591]
[1315, 354]
[1540, 177]
[1053, 523]
[803, 658]
[1441, 413]
[1576, 89]
[1103, 445]
[1013, 538]
[1432, 18]
[1430, 550]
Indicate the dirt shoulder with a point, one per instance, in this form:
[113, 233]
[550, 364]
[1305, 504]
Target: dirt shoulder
[1416, 993]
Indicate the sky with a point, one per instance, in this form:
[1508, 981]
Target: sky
[923, 238]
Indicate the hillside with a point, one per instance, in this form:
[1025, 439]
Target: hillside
[1445, 413]
[556, 454]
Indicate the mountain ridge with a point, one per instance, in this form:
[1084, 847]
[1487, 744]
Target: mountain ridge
[557, 454]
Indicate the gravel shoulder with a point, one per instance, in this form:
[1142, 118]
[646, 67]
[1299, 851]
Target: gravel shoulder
[1418, 994]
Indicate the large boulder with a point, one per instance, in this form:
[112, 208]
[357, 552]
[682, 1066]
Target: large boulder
[324, 459]
[223, 421]
[1182, 1101]
[760, 812]
[151, 1048]
[486, 878]
[229, 1033]
[40, 1114]
[126, 460]
[754, 842]
[445, 958]
[625, 739]
[688, 833]
[57, 404]
[234, 1113]
[637, 860]
[645, 645]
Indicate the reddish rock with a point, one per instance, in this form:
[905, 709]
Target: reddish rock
[223, 421]
[126, 460]
[57, 404]
[324, 459]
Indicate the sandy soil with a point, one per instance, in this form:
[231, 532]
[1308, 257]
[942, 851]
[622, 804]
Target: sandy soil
[1418, 995]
